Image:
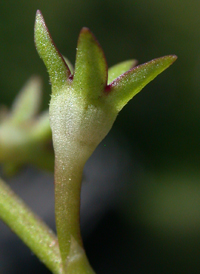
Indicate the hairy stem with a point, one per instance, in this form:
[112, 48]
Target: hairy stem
[68, 176]
[67, 205]
[28, 226]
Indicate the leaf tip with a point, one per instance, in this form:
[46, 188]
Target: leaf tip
[90, 58]
[174, 58]
[39, 18]
[85, 30]
[169, 58]
[58, 69]
[39, 27]
[38, 13]
[86, 33]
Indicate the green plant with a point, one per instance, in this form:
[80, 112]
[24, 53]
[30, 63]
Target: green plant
[23, 133]
[84, 105]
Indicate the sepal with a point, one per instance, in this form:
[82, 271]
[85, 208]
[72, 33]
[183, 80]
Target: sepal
[27, 103]
[118, 69]
[126, 86]
[24, 135]
[57, 68]
[90, 77]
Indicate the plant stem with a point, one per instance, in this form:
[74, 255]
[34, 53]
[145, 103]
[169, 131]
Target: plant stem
[28, 226]
[68, 177]
[67, 206]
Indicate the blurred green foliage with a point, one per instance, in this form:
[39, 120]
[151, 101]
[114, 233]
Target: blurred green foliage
[168, 110]
[164, 120]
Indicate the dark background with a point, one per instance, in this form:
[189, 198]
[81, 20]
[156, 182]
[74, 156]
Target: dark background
[153, 224]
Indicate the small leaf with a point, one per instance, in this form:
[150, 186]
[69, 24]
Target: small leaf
[125, 87]
[118, 69]
[90, 76]
[56, 66]
[27, 102]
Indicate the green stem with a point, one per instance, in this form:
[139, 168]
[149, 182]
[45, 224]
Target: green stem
[68, 177]
[67, 205]
[28, 226]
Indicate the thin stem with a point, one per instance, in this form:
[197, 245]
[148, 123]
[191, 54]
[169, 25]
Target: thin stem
[28, 226]
[68, 177]
[67, 206]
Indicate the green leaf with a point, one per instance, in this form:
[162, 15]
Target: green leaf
[90, 76]
[57, 68]
[27, 102]
[116, 70]
[125, 87]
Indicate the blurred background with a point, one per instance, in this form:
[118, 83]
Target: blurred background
[141, 189]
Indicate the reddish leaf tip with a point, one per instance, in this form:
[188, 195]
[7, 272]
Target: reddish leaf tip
[39, 17]
[41, 33]
[38, 12]
[174, 57]
[85, 30]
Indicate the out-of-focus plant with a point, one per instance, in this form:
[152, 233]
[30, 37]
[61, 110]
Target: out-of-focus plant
[25, 136]
[84, 104]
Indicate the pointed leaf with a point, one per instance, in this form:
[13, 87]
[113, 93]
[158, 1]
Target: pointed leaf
[56, 66]
[130, 83]
[90, 76]
[118, 69]
[27, 102]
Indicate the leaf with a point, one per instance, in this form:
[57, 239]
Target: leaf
[125, 87]
[90, 76]
[57, 68]
[119, 69]
[27, 102]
